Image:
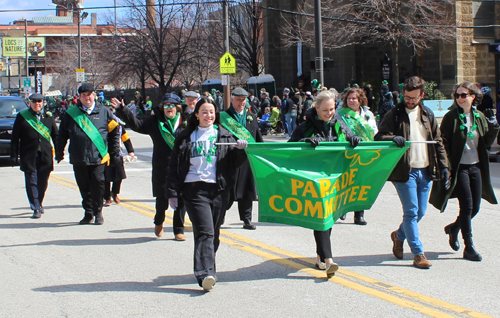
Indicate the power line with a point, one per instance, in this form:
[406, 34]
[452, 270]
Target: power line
[122, 6]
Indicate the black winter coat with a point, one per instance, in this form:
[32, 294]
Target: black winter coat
[26, 141]
[313, 127]
[82, 150]
[454, 140]
[161, 150]
[229, 158]
[245, 183]
[397, 123]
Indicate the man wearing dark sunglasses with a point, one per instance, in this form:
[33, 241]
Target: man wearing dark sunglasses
[31, 139]
[422, 163]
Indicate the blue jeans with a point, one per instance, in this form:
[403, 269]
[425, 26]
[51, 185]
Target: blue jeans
[291, 123]
[414, 195]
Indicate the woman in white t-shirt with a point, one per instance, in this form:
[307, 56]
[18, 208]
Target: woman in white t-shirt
[202, 169]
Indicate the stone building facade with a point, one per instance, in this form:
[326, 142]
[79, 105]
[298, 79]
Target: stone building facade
[467, 58]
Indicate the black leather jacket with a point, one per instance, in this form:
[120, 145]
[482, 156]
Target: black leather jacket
[229, 158]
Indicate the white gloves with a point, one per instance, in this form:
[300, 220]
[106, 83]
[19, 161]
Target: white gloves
[241, 144]
[173, 203]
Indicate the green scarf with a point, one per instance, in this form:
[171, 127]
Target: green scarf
[240, 118]
[172, 121]
[357, 125]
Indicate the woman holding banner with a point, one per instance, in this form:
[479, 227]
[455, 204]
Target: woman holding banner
[202, 169]
[162, 126]
[320, 125]
[358, 124]
[466, 135]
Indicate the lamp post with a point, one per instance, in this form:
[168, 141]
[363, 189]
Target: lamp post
[319, 40]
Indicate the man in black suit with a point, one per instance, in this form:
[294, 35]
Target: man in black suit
[244, 189]
[31, 140]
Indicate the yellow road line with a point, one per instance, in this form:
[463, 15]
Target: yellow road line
[236, 241]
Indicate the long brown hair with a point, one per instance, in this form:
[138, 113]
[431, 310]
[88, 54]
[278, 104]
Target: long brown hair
[360, 94]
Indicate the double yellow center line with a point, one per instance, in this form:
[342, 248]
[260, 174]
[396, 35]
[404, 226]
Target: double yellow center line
[396, 295]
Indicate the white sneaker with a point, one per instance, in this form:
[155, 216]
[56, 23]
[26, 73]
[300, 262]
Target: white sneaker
[208, 283]
[331, 268]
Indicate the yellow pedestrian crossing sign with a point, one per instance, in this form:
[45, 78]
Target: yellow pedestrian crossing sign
[227, 64]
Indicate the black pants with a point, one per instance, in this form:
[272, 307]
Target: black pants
[468, 191]
[90, 180]
[108, 189]
[206, 207]
[245, 210]
[179, 214]
[36, 184]
[323, 244]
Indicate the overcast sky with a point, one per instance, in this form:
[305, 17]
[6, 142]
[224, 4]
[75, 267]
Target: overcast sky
[7, 17]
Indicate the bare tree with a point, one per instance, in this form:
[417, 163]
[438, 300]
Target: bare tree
[247, 35]
[161, 40]
[415, 23]
[65, 62]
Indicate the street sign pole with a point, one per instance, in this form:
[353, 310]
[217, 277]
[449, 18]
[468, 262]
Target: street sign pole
[227, 87]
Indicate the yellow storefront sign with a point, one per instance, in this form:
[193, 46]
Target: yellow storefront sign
[15, 47]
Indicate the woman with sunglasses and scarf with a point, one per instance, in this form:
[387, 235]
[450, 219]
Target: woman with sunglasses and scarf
[202, 171]
[162, 126]
[466, 134]
[358, 124]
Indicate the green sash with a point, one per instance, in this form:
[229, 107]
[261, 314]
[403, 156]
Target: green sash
[167, 136]
[357, 124]
[90, 130]
[235, 127]
[36, 124]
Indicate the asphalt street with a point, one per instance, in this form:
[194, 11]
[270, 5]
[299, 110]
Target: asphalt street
[54, 267]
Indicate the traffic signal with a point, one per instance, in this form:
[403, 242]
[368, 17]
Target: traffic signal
[1, 66]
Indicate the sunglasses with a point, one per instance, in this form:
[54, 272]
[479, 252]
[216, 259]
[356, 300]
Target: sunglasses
[463, 95]
[168, 106]
[37, 100]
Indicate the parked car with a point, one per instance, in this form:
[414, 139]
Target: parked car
[10, 106]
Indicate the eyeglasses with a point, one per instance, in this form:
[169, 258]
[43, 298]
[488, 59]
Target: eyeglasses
[37, 100]
[168, 106]
[463, 95]
[407, 99]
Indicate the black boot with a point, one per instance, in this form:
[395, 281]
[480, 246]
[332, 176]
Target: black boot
[87, 219]
[470, 252]
[359, 218]
[452, 230]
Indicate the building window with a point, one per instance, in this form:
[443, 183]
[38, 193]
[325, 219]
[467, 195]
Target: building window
[484, 14]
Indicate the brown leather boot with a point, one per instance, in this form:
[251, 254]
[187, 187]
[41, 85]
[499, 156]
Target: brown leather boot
[397, 246]
[420, 261]
[159, 230]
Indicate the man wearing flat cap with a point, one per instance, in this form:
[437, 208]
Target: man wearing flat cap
[163, 126]
[94, 143]
[190, 100]
[31, 137]
[248, 128]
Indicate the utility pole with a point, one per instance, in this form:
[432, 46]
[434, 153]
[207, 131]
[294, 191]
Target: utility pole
[79, 38]
[225, 21]
[26, 45]
[318, 32]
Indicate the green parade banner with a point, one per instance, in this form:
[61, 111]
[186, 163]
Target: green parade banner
[313, 187]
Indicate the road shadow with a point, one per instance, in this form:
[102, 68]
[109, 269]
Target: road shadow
[383, 259]
[36, 224]
[52, 207]
[89, 242]
[172, 283]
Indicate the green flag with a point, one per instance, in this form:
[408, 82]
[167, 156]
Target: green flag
[312, 188]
